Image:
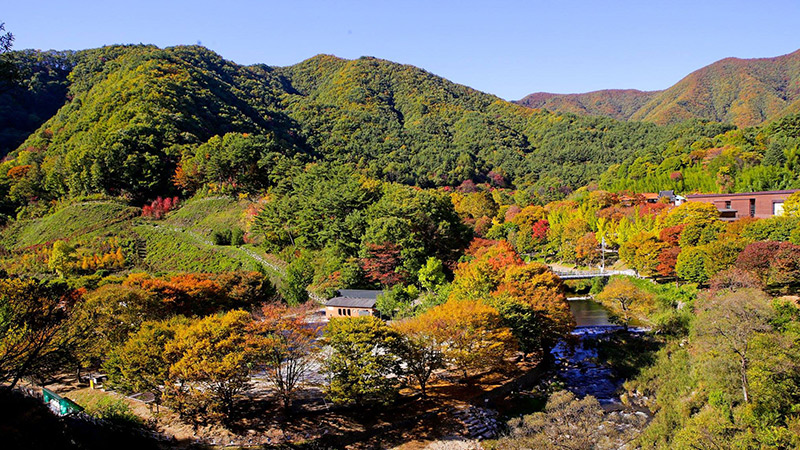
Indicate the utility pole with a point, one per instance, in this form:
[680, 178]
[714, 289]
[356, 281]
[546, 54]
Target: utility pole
[603, 252]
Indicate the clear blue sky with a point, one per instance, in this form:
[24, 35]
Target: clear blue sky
[507, 48]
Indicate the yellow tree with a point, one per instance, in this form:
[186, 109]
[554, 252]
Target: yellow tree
[210, 364]
[420, 350]
[626, 300]
[471, 334]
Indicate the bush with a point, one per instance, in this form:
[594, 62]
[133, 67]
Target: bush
[114, 410]
[221, 237]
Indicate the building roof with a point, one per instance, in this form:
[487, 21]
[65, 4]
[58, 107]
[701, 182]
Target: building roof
[355, 298]
[743, 194]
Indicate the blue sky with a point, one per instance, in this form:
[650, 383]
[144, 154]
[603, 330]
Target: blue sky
[507, 48]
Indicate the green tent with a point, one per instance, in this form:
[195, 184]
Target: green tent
[58, 404]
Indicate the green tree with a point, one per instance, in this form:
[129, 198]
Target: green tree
[691, 265]
[729, 322]
[140, 364]
[62, 258]
[431, 275]
[362, 362]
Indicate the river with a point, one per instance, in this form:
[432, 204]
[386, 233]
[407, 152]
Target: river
[576, 362]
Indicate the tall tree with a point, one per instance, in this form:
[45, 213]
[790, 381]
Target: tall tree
[35, 322]
[729, 322]
[286, 347]
[363, 361]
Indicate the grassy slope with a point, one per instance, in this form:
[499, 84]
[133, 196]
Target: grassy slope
[76, 221]
[179, 243]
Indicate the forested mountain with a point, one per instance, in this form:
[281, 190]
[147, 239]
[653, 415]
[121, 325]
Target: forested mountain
[744, 92]
[619, 104]
[138, 119]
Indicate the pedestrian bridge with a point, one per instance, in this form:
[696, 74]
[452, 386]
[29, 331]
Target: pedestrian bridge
[584, 274]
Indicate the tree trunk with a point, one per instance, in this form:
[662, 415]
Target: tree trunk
[744, 380]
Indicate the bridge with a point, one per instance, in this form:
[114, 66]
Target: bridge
[584, 274]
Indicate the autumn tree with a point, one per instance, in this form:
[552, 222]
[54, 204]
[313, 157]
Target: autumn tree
[472, 335]
[587, 249]
[62, 258]
[210, 364]
[481, 275]
[363, 361]
[729, 322]
[35, 327]
[383, 264]
[626, 300]
[115, 312]
[420, 350]
[567, 423]
[286, 347]
[140, 364]
[641, 253]
[535, 286]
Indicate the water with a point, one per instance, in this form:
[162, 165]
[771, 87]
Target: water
[589, 313]
[577, 365]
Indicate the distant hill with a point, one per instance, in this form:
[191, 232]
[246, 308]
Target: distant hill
[744, 92]
[619, 104]
[138, 121]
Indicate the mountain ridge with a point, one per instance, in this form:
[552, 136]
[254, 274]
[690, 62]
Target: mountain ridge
[741, 91]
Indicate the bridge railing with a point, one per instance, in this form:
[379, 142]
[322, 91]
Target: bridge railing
[593, 273]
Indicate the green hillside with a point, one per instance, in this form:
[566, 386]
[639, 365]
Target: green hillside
[140, 120]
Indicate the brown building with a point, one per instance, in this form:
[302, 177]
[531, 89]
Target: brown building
[352, 303]
[746, 204]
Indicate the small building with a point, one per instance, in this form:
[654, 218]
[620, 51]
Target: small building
[352, 303]
[746, 204]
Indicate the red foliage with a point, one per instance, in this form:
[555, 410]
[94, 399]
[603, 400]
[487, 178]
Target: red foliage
[383, 264]
[757, 256]
[671, 235]
[467, 186]
[482, 226]
[667, 260]
[776, 264]
[676, 176]
[499, 256]
[498, 179]
[653, 209]
[512, 212]
[159, 207]
[478, 244]
[540, 229]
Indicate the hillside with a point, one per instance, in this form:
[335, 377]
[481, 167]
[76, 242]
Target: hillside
[744, 92]
[619, 104]
[138, 120]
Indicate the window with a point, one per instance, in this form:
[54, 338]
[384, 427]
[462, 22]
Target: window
[727, 204]
[777, 208]
[348, 312]
[752, 207]
[340, 311]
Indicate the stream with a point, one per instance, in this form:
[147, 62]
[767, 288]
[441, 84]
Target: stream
[576, 362]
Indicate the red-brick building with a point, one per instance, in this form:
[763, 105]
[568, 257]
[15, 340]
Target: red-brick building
[745, 204]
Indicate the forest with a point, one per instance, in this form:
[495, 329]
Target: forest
[175, 222]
